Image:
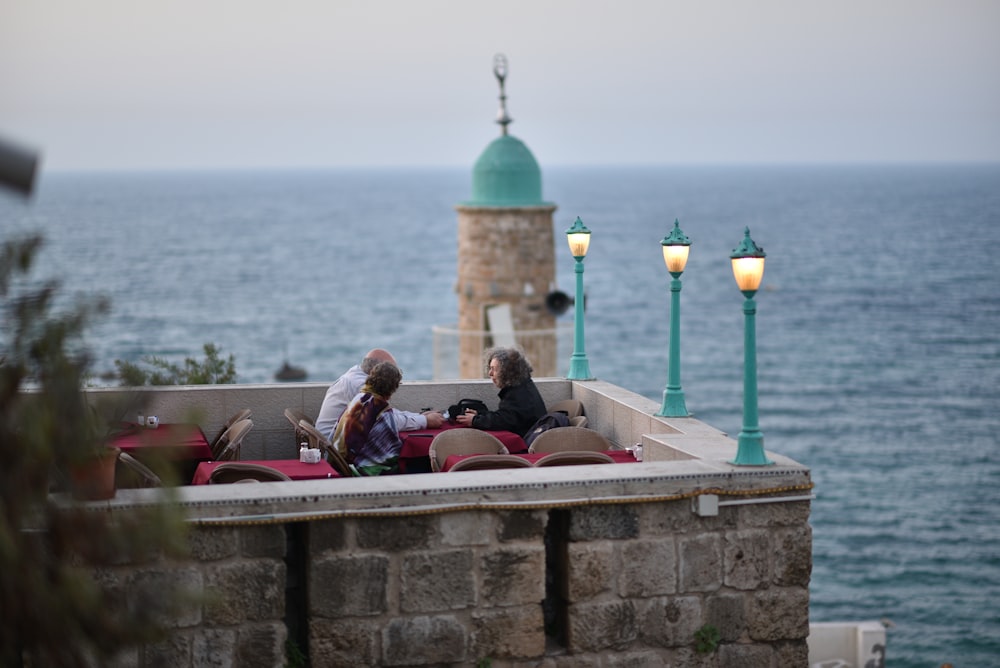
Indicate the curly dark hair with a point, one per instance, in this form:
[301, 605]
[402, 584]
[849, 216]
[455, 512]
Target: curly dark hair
[514, 366]
[383, 379]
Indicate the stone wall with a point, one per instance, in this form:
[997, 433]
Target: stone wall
[613, 565]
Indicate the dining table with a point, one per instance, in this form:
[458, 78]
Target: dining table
[414, 457]
[179, 444]
[293, 468]
[619, 457]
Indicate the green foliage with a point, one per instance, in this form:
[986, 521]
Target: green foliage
[56, 609]
[486, 662]
[707, 639]
[293, 655]
[212, 371]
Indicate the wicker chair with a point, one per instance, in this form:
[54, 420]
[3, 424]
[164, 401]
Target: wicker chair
[574, 457]
[228, 472]
[232, 439]
[217, 443]
[136, 474]
[318, 440]
[490, 462]
[464, 441]
[295, 416]
[569, 438]
[571, 407]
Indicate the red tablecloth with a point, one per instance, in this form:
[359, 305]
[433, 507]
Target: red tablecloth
[620, 457]
[293, 468]
[413, 458]
[171, 441]
[180, 445]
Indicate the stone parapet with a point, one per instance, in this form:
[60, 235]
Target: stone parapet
[603, 565]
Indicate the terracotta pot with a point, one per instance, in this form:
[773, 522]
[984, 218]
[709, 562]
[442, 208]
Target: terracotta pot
[94, 480]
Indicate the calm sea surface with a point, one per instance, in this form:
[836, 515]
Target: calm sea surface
[878, 328]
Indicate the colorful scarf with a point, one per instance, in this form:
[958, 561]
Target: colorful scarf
[366, 434]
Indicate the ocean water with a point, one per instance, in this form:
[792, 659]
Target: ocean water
[878, 327]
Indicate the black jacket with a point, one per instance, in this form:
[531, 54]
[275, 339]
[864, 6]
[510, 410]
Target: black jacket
[520, 407]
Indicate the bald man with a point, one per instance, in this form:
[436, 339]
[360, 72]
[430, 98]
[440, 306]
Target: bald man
[348, 385]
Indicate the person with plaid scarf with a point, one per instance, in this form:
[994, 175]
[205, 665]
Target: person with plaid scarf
[366, 434]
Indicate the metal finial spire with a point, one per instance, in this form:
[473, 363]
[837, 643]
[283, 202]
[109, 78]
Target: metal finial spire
[500, 72]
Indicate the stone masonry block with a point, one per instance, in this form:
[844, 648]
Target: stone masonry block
[727, 612]
[668, 518]
[594, 627]
[409, 641]
[779, 614]
[589, 570]
[669, 621]
[212, 543]
[174, 650]
[263, 541]
[792, 513]
[124, 658]
[747, 558]
[344, 642]
[245, 590]
[397, 534]
[639, 659]
[261, 645]
[746, 656]
[513, 576]
[571, 661]
[701, 563]
[647, 568]
[348, 586]
[466, 528]
[603, 522]
[214, 647]
[509, 633]
[432, 581]
[793, 556]
[327, 535]
[169, 597]
[792, 653]
[522, 525]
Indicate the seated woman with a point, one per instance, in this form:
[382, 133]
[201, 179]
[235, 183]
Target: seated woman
[520, 403]
[366, 434]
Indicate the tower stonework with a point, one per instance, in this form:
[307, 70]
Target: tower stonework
[506, 254]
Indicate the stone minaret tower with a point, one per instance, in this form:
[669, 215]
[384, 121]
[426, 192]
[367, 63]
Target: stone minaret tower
[506, 257]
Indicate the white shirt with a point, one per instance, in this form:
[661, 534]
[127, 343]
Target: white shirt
[343, 390]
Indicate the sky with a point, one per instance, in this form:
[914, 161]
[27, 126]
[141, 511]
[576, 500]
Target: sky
[175, 84]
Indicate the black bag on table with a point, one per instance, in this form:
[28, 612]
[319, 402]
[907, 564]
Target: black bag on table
[458, 409]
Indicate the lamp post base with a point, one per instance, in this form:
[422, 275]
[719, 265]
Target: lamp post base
[750, 451]
[673, 405]
[579, 369]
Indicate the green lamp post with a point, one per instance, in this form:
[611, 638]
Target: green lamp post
[748, 269]
[579, 241]
[675, 256]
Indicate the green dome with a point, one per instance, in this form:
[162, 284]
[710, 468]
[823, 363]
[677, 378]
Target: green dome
[506, 174]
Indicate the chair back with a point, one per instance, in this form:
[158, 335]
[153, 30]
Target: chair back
[490, 462]
[463, 441]
[233, 439]
[139, 474]
[217, 445]
[295, 417]
[574, 457]
[569, 438]
[319, 441]
[571, 407]
[244, 471]
[578, 421]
